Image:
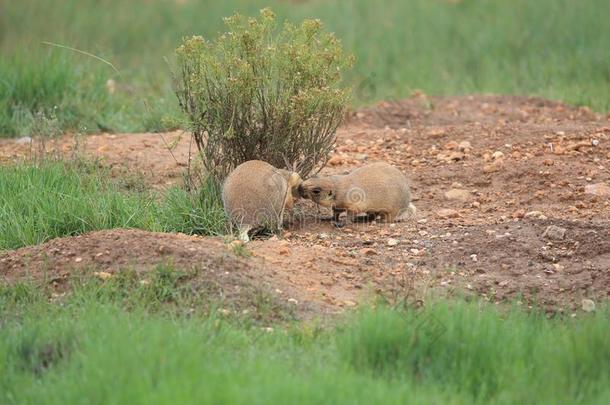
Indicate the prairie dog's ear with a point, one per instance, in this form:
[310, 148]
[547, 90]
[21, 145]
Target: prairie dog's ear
[294, 179]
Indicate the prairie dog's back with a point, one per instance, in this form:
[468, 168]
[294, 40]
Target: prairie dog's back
[376, 187]
[254, 193]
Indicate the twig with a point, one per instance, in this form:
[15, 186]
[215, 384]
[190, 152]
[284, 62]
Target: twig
[84, 53]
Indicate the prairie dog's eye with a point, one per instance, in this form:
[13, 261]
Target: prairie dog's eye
[316, 190]
[330, 193]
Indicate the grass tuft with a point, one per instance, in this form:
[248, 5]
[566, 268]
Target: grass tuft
[55, 199]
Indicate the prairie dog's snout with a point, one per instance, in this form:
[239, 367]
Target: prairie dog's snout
[319, 190]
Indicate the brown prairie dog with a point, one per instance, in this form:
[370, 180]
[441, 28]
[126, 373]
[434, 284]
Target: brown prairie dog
[255, 195]
[375, 189]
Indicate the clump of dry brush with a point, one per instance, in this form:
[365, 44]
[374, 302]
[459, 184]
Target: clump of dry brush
[258, 92]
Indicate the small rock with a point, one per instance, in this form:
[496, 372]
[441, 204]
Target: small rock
[598, 189]
[23, 140]
[293, 301]
[110, 86]
[368, 252]
[588, 305]
[497, 155]
[492, 168]
[336, 160]
[455, 156]
[415, 162]
[503, 283]
[361, 156]
[554, 232]
[349, 303]
[548, 162]
[451, 145]
[102, 275]
[284, 250]
[78, 259]
[393, 242]
[458, 194]
[474, 257]
[464, 146]
[533, 214]
[236, 244]
[415, 251]
[447, 213]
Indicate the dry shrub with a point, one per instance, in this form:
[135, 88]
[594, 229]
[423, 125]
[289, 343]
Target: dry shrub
[256, 92]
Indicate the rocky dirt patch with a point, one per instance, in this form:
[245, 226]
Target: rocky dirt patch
[489, 175]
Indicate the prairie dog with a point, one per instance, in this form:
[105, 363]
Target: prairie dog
[255, 195]
[375, 189]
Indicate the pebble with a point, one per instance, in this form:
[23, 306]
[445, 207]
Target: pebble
[464, 146]
[458, 194]
[588, 305]
[23, 140]
[492, 168]
[368, 252]
[598, 189]
[554, 232]
[451, 145]
[497, 155]
[393, 242]
[447, 213]
[336, 160]
[361, 156]
[102, 275]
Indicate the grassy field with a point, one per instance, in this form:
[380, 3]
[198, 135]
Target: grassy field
[552, 48]
[39, 202]
[87, 347]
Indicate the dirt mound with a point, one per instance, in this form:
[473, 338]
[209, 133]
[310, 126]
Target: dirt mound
[489, 174]
[212, 263]
[484, 109]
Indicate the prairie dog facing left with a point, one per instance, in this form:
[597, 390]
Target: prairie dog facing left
[375, 189]
[255, 195]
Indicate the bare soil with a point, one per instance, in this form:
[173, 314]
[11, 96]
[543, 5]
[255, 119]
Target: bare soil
[489, 175]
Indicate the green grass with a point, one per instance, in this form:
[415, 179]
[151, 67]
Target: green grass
[54, 199]
[90, 346]
[552, 48]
